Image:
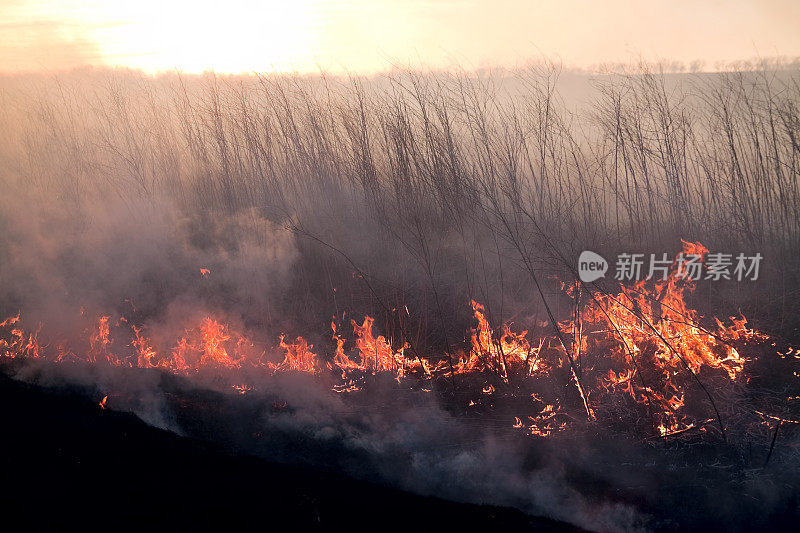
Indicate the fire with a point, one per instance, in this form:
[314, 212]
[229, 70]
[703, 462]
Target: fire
[103, 403]
[376, 353]
[299, 357]
[99, 341]
[214, 335]
[209, 345]
[21, 344]
[242, 388]
[145, 354]
[651, 337]
[340, 359]
[641, 343]
[509, 351]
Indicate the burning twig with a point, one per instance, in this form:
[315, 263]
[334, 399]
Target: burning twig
[685, 363]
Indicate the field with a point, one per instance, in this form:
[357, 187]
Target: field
[377, 277]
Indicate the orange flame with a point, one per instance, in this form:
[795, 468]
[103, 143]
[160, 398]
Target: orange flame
[299, 357]
[637, 343]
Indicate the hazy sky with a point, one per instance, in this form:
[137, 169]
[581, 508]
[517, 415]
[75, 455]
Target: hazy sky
[367, 35]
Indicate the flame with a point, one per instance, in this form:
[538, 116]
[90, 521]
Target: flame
[340, 359]
[641, 343]
[509, 351]
[543, 424]
[145, 354]
[21, 344]
[651, 336]
[99, 341]
[214, 335]
[299, 357]
[242, 388]
[376, 353]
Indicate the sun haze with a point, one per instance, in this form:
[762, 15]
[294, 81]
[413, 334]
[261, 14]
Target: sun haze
[369, 36]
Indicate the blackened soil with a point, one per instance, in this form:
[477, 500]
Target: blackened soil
[68, 464]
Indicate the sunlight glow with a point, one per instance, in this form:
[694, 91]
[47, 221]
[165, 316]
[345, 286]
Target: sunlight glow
[369, 36]
[235, 36]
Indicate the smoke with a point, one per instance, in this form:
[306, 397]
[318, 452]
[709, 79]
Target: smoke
[406, 440]
[142, 260]
[275, 222]
[144, 255]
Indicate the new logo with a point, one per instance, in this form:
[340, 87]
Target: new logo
[591, 266]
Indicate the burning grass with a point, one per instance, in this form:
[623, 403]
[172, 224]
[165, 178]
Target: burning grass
[642, 353]
[401, 251]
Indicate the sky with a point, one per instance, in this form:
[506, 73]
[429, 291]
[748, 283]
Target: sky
[368, 36]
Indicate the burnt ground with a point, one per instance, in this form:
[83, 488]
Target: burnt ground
[66, 463]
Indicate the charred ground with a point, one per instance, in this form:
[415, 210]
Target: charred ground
[68, 464]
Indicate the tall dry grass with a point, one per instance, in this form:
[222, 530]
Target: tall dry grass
[417, 192]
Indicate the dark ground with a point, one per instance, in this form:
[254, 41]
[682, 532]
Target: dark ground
[67, 464]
